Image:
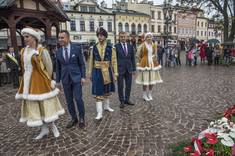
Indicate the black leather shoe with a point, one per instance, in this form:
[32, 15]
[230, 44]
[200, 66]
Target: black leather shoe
[122, 105]
[81, 122]
[129, 103]
[71, 123]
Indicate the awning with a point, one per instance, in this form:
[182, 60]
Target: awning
[3, 44]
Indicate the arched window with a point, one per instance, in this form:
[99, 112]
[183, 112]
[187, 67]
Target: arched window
[139, 28]
[126, 27]
[120, 27]
[133, 28]
[145, 28]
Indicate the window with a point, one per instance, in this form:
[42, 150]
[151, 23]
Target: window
[152, 14]
[202, 24]
[101, 24]
[73, 25]
[179, 20]
[159, 29]
[186, 19]
[186, 31]
[133, 29]
[126, 27]
[159, 15]
[209, 33]
[174, 29]
[194, 31]
[91, 9]
[119, 26]
[212, 34]
[190, 31]
[139, 28]
[109, 26]
[190, 20]
[194, 21]
[183, 31]
[205, 33]
[198, 23]
[175, 15]
[170, 29]
[82, 25]
[179, 31]
[83, 9]
[197, 33]
[92, 26]
[153, 28]
[145, 28]
[183, 20]
[201, 33]
[205, 24]
[164, 28]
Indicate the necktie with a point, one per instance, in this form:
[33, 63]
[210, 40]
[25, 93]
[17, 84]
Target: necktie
[124, 45]
[66, 55]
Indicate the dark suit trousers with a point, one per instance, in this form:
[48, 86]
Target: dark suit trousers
[15, 77]
[74, 90]
[128, 81]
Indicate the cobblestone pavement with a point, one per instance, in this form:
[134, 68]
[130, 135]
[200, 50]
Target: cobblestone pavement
[182, 107]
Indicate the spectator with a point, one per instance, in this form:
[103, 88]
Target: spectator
[168, 56]
[216, 54]
[203, 53]
[160, 52]
[178, 62]
[209, 51]
[187, 50]
[173, 55]
[5, 74]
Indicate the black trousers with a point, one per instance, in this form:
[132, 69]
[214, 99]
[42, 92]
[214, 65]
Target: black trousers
[216, 60]
[15, 77]
[178, 62]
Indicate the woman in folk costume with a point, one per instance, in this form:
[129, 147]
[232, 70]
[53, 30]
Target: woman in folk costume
[147, 71]
[40, 103]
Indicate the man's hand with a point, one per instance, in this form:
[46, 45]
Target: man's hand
[114, 79]
[58, 85]
[134, 72]
[91, 78]
[83, 81]
[9, 69]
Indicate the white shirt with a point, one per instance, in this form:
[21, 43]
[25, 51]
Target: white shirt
[68, 49]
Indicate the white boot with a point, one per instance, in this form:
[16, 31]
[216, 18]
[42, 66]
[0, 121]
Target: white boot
[145, 96]
[55, 130]
[44, 131]
[150, 95]
[99, 110]
[106, 105]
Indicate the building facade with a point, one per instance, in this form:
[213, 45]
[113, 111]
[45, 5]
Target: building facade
[214, 32]
[201, 27]
[85, 17]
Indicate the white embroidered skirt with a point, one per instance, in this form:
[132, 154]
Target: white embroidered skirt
[148, 77]
[35, 112]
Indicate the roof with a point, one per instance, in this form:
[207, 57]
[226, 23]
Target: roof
[6, 3]
[59, 10]
[129, 12]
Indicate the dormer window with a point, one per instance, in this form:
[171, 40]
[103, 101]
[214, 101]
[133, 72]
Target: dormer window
[91, 9]
[83, 8]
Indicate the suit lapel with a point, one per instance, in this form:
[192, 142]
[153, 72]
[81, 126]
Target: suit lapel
[71, 50]
[61, 55]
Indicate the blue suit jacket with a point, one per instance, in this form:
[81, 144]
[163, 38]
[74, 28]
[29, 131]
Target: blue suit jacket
[123, 61]
[74, 69]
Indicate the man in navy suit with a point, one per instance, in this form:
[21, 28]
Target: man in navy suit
[70, 69]
[126, 67]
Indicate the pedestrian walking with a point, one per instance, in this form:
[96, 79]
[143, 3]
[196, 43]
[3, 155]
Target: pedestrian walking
[70, 69]
[126, 67]
[40, 104]
[148, 69]
[102, 58]
[13, 66]
[160, 52]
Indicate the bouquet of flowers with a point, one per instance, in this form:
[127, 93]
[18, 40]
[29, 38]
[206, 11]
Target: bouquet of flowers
[217, 140]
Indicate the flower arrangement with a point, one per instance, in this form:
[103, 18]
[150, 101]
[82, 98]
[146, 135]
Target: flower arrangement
[217, 140]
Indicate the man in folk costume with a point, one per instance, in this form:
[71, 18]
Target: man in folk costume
[102, 58]
[40, 104]
[13, 66]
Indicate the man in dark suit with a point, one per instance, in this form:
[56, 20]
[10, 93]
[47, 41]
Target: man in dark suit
[70, 69]
[126, 67]
[13, 66]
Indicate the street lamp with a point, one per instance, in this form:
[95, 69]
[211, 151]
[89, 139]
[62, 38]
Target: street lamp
[168, 18]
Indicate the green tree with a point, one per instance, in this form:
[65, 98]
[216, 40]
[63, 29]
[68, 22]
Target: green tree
[222, 8]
